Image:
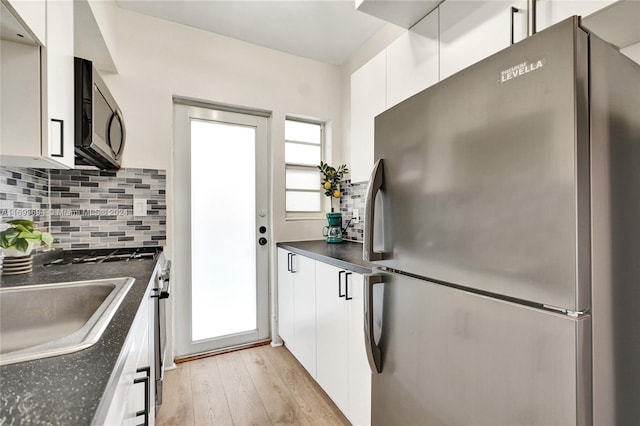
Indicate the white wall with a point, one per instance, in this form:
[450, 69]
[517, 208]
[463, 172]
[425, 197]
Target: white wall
[158, 59]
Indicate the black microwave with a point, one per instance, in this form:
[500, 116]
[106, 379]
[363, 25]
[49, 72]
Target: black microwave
[99, 127]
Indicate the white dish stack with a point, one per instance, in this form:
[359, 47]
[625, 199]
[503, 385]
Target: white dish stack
[16, 265]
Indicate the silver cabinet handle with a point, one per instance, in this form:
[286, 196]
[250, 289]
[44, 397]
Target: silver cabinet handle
[532, 11]
[375, 184]
[147, 387]
[374, 355]
[293, 271]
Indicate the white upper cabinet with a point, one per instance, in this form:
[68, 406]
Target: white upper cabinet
[412, 61]
[368, 99]
[37, 95]
[404, 13]
[473, 30]
[406, 67]
[58, 131]
[95, 22]
[20, 102]
[549, 12]
[33, 14]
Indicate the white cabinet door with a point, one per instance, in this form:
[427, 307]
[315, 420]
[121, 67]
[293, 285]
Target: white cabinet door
[304, 283]
[129, 396]
[37, 95]
[473, 30]
[127, 403]
[549, 12]
[58, 130]
[32, 13]
[20, 135]
[412, 60]
[368, 99]
[137, 395]
[359, 371]
[285, 299]
[332, 334]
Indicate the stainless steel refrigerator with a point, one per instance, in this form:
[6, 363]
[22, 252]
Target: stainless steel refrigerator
[503, 215]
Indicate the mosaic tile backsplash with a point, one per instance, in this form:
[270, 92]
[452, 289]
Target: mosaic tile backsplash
[24, 194]
[353, 197]
[88, 208]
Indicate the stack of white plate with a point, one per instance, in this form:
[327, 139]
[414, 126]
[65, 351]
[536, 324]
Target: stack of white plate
[17, 265]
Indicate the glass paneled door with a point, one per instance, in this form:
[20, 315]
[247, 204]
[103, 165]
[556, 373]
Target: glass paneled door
[221, 229]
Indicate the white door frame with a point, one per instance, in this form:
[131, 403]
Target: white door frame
[182, 115]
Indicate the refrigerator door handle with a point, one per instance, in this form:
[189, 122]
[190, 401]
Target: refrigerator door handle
[374, 355]
[375, 184]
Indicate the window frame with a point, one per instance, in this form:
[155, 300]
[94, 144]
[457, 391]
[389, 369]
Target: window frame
[305, 215]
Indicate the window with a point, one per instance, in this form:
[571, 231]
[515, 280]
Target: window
[303, 146]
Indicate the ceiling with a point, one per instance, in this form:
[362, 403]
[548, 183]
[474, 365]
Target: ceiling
[329, 31]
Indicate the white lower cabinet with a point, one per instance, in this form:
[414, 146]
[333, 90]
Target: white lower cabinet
[296, 307]
[342, 365]
[285, 299]
[328, 329]
[304, 270]
[332, 334]
[359, 370]
[133, 399]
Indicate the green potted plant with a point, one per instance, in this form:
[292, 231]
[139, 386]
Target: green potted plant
[19, 238]
[330, 181]
[331, 178]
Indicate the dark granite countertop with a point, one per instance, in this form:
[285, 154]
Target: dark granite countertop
[67, 389]
[345, 255]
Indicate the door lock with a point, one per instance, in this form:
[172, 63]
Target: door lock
[262, 241]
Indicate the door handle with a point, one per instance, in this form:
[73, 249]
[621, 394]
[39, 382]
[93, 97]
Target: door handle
[293, 271]
[289, 262]
[375, 184]
[340, 284]
[116, 116]
[374, 355]
[346, 286]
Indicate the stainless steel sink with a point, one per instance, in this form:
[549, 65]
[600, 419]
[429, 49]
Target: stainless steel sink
[39, 321]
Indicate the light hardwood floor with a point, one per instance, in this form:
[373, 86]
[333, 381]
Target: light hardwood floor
[257, 386]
